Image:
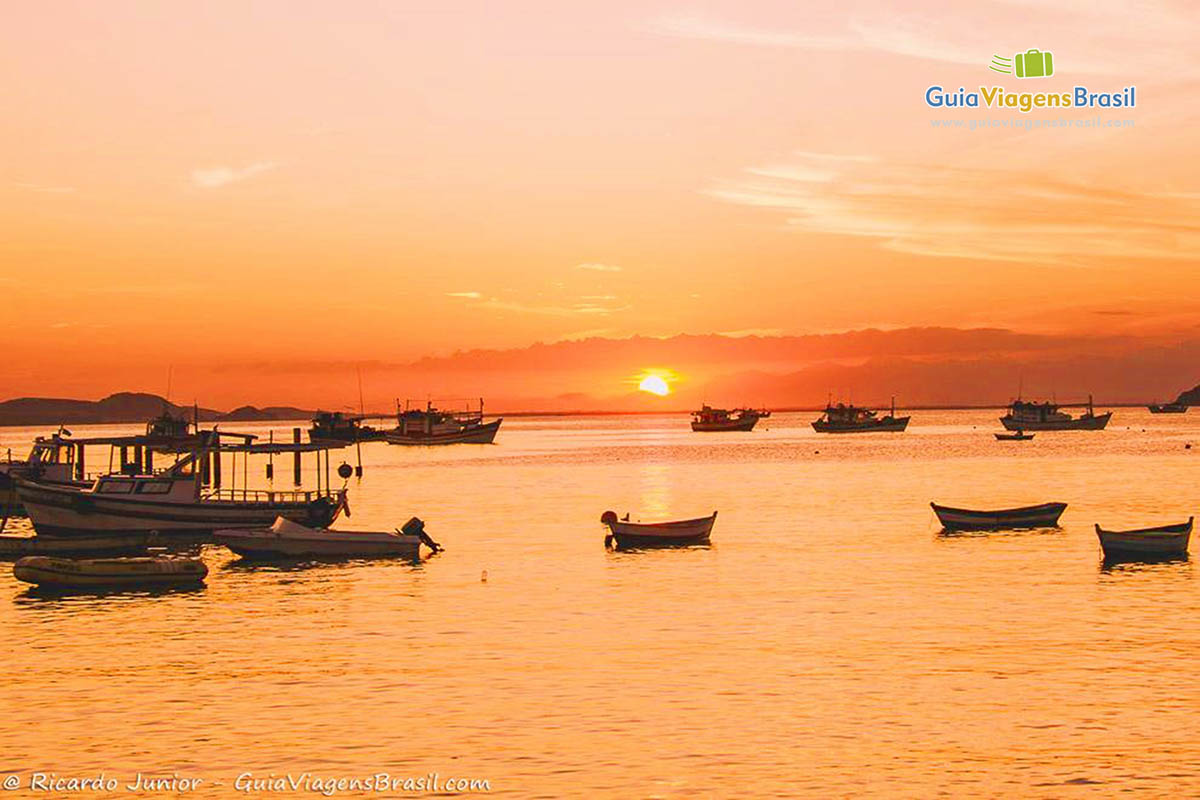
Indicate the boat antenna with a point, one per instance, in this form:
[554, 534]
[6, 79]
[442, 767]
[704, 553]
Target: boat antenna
[361, 409]
[167, 399]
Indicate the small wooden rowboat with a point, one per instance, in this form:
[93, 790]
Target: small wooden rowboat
[71, 573]
[1018, 436]
[960, 519]
[1165, 540]
[649, 534]
[286, 539]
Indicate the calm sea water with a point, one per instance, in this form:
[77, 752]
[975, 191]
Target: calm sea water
[829, 642]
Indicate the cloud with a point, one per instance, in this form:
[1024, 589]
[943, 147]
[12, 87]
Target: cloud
[37, 187]
[970, 212]
[1089, 33]
[468, 295]
[761, 332]
[593, 267]
[216, 177]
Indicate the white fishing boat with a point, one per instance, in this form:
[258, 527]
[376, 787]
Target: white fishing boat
[71, 573]
[1029, 416]
[287, 539]
[433, 426]
[643, 534]
[187, 498]
[1164, 540]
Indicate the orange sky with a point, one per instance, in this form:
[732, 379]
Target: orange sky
[284, 182]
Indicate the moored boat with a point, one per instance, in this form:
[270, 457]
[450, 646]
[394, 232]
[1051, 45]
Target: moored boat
[71, 573]
[20, 546]
[1164, 540]
[844, 418]
[1046, 416]
[710, 420]
[1168, 408]
[185, 499]
[287, 539]
[334, 426]
[1017, 436]
[433, 426]
[1044, 515]
[645, 534]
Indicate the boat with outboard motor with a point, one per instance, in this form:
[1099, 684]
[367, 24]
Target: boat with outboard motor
[186, 498]
[287, 539]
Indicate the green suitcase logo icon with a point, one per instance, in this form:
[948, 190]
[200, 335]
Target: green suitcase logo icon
[1034, 64]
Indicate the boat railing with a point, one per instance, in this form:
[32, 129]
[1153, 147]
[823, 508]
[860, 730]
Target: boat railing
[264, 496]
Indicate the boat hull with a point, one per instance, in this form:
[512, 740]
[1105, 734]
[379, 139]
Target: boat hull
[885, 425]
[961, 519]
[478, 434]
[12, 547]
[65, 512]
[1165, 541]
[1014, 437]
[730, 425]
[1093, 423]
[1168, 408]
[347, 438]
[682, 532]
[267, 544]
[66, 573]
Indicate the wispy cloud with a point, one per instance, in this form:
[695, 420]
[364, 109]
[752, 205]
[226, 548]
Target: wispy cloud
[588, 306]
[1090, 31]
[216, 177]
[37, 187]
[594, 267]
[760, 332]
[978, 213]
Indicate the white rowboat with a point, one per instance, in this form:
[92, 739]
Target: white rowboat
[643, 534]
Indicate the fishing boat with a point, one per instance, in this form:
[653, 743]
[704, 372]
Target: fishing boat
[15, 546]
[1168, 408]
[961, 519]
[186, 498]
[709, 419]
[647, 534]
[1016, 436]
[1164, 540]
[287, 539]
[433, 426]
[844, 418]
[335, 426]
[70, 573]
[1046, 416]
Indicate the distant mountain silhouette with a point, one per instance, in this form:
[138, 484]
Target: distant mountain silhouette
[1190, 397]
[125, 407]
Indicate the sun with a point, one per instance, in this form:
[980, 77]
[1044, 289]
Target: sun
[654, 384]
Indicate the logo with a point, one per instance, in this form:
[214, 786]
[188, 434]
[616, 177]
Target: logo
[1032, 63]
